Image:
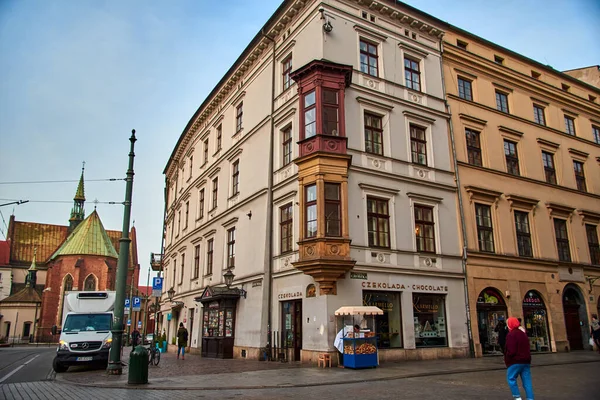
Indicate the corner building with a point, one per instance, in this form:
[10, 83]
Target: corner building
[527, 141]
[318, 172]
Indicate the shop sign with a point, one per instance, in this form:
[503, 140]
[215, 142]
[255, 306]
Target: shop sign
[532, 299]
[401, 286]
[256, 283]
[290, 293]
[213, 304]
[358, 275]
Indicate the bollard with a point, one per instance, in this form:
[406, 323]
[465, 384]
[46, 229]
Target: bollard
[138, 366]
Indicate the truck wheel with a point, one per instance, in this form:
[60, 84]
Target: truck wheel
[58, 367]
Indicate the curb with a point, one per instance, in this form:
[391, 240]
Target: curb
[287, 385]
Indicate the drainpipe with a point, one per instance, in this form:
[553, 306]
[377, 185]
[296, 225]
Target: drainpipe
[461, 211]
[269, 220]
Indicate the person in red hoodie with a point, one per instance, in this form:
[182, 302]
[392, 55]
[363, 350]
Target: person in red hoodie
[517, 358]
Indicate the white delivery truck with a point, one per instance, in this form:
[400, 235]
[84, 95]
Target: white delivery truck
[86, 335]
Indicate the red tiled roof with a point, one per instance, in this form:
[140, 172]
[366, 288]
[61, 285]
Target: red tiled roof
[4, 252]
[145, 290]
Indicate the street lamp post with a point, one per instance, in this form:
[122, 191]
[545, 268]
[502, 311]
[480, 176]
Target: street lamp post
[115, 367]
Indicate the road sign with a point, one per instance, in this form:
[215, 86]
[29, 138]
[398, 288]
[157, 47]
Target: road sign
[128, 322]
[127, 304]
[137, 303]
[157, 284]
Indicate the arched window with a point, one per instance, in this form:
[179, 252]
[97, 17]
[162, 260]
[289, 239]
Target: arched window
[68, 285]
[90, 283]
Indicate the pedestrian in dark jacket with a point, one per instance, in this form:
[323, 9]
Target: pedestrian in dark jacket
[517, 358]
[182, 339]
[595, 331]
[502, 332]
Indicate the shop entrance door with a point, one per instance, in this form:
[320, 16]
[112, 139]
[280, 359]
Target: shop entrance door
[291, 328]
[491, 308]
[575, 317]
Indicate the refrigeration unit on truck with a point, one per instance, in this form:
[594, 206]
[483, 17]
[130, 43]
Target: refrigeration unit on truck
[85, 337]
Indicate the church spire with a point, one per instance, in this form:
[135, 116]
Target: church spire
[77, 212]
[31, 279]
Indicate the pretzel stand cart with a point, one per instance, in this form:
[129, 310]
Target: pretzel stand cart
[360, 348]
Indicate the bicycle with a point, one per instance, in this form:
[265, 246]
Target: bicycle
[153, 355]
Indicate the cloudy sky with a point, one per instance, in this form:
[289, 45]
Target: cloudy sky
[77, 75]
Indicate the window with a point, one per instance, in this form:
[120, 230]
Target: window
[90, 283]
[201, 204]
[68, 284]
[430, 320]
[418, 145]
[570, 125]
[579, 175]
[596, 133]
[310, 115]
[412, 74]
[191, 165]
[512, 158]
[174, 272]
[523, 234]
[178, 222]
[461, 45]
[235, 178]
[562, 239]
[215, 192]
[538, 115]
[498, 59]
[231, 248]
[187, 214]
[330, 112]
[287, 146]
[502, 102]
[333, 215]
[26, 329]
[287, 69]
[389, 325]
[205, 151]
[473, 147]
[485, 230]
[209, 256]
[239, 112]
[592, 238]
[311, 211]
[182, 269]
[378, 220]
[368, 58]
[373, 134]
[548, 160]
[424, 229]
[196, 261]
[286, 227]
[219, 137]
[465, 89]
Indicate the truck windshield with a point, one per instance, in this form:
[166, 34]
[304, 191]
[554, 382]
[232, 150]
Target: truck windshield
[87, 322]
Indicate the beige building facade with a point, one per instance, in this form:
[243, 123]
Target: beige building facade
[527, 148]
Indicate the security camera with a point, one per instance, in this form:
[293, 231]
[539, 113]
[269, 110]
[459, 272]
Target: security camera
[327, 27]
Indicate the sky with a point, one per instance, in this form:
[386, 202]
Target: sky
[76, 76]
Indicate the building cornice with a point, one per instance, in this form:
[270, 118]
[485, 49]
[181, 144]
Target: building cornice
[484, 194]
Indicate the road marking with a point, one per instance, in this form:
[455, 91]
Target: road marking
[14, 371]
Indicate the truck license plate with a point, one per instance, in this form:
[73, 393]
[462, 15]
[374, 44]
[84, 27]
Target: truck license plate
[84, 358]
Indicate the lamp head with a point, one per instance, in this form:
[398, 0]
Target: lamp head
[228, 278]
[170, 294]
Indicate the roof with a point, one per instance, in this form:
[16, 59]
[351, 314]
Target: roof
[145, 290]
[25, 295]
[80, 194]
[88, 238]
[359, 310]
[25, 237]
[4, 252]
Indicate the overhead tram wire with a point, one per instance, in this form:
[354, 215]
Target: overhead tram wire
[62, 181]
[66, 201]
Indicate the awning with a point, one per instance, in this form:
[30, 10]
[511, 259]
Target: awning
[359, 310]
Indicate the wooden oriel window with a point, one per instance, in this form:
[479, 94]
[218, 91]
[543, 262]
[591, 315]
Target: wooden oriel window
[287, 146]
[196, 261]
[512, 157]
[333, 214]
[201, 204]
[330, 112]
[523, 234]
[473, 147]
[418, 145]
[592, 238]
[570, 125]
[549, 171]
[485, 229]
[579, 176]
[368, 58]
[310, 215]
[209, 256]
[231, 248]
[286, 227]
[538, 115]
[562, 239]
[424, 229]
[239, 113]
[235, 178]
[286, 67]
[215, 193]
[373, 134]
[502, 102]
[412, 74]
[378, 221]
[310, 114]
[465, 89]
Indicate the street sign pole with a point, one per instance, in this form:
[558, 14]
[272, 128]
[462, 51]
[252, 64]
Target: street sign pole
[115, 367]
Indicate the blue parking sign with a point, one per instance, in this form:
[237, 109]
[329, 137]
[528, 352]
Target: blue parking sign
[157, 284]
[137, 303]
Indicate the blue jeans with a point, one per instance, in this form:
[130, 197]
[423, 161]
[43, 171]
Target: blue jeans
[181, 349]
[512, 373]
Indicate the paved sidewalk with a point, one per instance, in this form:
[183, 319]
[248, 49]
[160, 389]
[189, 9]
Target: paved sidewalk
[214, 374]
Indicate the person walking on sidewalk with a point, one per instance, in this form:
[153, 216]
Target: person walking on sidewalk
[182, 339]
[595, 331]
[502, 332]
[517, 358]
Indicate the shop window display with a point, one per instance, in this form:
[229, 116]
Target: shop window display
[535, 321]
[490, 309]
[389, 325]
[430, 320]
